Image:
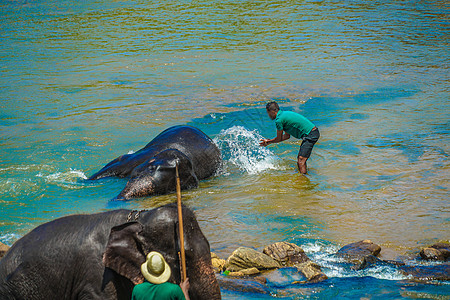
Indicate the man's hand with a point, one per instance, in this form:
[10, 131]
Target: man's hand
[264, 142]
[185, 288]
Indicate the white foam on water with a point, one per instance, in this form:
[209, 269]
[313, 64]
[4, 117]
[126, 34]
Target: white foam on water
[68, 178]
[319, 248]
[383, 272]
[240, 148]
[334, 266]
[9, 238]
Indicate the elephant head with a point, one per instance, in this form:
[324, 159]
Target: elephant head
[157, 175]
[129, 244]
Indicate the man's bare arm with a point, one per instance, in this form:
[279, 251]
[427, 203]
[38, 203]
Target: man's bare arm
[279, 138]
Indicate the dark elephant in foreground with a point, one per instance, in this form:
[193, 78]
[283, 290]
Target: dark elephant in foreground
[152, 168]
[98, 256]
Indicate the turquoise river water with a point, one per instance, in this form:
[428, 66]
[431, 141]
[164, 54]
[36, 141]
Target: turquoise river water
[82, 82]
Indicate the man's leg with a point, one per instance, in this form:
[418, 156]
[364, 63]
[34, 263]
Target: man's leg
[306, 148]
[301, 163]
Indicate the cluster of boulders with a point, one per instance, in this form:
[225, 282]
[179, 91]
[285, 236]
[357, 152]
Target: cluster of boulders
[365, 253]
[249, 263]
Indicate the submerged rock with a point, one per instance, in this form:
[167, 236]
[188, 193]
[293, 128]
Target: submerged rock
[291, 255]
[3, 249]
[246, 258]
[287, 254]
[242, 285]
[438, 251]
[427, 273]
[360, 254]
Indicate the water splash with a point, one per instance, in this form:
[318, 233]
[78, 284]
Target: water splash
[68, 179]
[240, 148]
[336, 267]
[9, 238]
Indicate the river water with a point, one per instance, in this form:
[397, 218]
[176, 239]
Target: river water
[84, 82]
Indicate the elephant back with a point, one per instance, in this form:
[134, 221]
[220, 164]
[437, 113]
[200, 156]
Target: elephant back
[196, 145]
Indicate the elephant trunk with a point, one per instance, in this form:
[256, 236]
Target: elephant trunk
[137, 187]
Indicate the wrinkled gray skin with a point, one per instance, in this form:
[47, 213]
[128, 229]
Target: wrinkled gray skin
[152, 168]
[99, 256]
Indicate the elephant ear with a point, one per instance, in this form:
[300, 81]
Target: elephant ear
[124, 253]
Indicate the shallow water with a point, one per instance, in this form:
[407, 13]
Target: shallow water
[84, 83]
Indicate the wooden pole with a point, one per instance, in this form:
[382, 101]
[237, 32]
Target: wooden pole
[180, 227]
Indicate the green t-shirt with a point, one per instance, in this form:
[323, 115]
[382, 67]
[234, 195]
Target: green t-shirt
[163, 291]
[293, 123]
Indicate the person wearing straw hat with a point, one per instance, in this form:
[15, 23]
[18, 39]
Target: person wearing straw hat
[156, 272]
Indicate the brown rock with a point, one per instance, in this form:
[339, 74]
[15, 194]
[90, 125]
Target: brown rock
[3, 249]
[260, 279]
[245, 272]
[236, 274]
[438, 251]
[361, 248]
[245, 258]
[286, 253]
[312, 271]
[431, 254]
[253, 285]
[361, 254]
[217, 263]
[291, 255]
[250, 271]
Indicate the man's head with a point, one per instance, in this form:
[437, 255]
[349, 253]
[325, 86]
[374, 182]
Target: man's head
[272, 109]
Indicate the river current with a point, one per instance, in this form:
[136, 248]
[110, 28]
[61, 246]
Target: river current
[84, 82]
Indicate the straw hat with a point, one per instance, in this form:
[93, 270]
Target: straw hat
[155, 269]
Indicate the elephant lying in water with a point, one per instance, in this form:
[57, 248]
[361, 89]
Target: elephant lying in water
[99, 256]
[152, 168]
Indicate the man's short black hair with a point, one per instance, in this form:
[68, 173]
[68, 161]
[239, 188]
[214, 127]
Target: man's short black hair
[272, 106]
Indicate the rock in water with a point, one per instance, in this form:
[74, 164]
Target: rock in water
[291, 255]
[428, 273]
[360, 254]
[312, 271]
[217, 263]
[246, 258]
[438, 251]
[245, 272]
[243, 285]
[286, 253]
[361, 248]
[3, 249]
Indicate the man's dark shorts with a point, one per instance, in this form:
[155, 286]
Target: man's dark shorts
[308, 143]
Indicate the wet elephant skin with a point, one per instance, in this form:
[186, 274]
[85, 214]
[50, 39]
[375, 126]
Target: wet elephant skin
[98, 256]
[152, 169]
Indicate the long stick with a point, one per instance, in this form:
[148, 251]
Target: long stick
[180, 227]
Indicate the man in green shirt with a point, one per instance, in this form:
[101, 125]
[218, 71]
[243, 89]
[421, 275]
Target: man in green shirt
[156, 272]
[290, 123]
